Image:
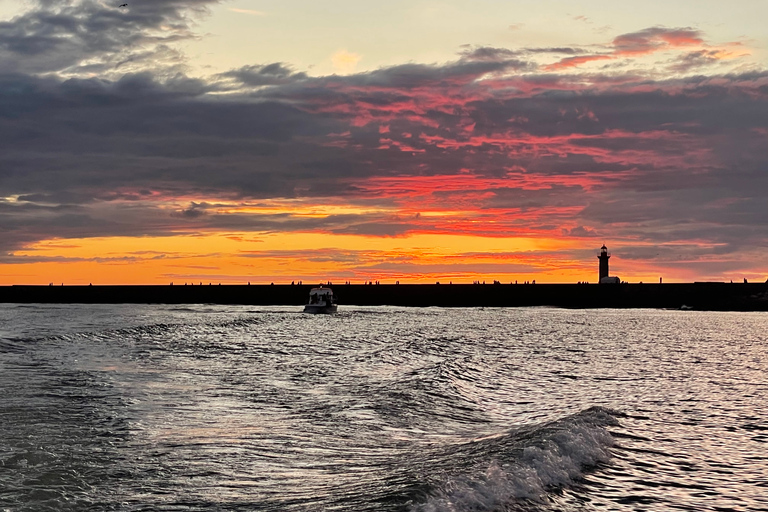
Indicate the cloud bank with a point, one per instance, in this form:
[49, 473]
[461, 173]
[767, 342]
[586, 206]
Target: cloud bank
[105, 134]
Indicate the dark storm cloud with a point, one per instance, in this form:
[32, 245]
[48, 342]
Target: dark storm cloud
[683, 144]
[23, 223]
[64, 35]
[92, 137]
[79, 142]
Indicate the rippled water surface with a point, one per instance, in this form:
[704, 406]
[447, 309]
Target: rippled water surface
[382, 409]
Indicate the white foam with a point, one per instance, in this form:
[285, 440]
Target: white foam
[553, 455]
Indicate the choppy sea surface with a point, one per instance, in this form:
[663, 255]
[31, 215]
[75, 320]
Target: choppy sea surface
[128, 408]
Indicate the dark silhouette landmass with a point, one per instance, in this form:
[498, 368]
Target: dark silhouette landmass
[695, 296]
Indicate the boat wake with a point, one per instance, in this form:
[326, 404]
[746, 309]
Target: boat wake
[520, 470]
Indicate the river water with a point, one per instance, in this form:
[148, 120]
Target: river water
[162, 408]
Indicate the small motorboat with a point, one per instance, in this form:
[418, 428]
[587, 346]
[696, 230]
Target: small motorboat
[321, 300]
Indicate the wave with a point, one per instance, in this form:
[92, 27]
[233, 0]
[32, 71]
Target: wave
[154, 331]
[519, 470]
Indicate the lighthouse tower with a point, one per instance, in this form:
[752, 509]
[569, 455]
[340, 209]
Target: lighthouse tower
[603, 257]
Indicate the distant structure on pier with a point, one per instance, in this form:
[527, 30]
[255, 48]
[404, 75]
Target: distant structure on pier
[605, 277]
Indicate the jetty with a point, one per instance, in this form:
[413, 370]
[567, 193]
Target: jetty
[709, 296]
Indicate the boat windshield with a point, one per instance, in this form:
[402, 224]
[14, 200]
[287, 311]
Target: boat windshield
[317, 296]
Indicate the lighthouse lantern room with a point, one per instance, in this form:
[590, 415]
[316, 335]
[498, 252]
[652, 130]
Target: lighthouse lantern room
[603, 257]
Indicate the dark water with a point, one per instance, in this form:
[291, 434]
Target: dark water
[382, 409]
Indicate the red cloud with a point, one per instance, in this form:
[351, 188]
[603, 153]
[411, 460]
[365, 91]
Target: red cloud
[572, 62]
[643, 42]
[655, 39]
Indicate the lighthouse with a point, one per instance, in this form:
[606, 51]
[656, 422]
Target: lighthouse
[603, 257]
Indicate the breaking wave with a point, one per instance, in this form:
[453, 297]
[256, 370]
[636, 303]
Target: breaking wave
[522, 468]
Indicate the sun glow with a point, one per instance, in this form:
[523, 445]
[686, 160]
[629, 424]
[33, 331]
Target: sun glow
[239, 257]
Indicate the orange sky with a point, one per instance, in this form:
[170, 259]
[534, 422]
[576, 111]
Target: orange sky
[130, 155]
[239, 257]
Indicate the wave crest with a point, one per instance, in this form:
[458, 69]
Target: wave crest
[524, 466]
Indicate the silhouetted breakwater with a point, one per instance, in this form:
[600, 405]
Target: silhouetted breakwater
[698, 296]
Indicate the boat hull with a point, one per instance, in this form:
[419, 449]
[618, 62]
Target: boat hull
[320, 309]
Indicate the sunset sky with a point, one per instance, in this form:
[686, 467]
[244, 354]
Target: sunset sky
[412, 141]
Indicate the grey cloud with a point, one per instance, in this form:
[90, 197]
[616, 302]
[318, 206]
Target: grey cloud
[17, 259]
[194, 211]
[695, 60]
[652, 38]
[556, 49]
[23, 223]
[320, 254]
[77, 152]
[489, 54]
[379, 228]
[64, 35]
[409, 76]
[261, 75]
[458, 269]
[580, 231]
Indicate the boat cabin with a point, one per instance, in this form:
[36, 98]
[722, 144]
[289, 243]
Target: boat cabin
[320, 295]
[321, 300]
